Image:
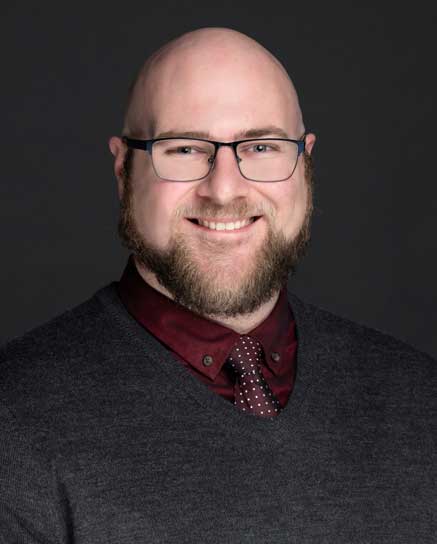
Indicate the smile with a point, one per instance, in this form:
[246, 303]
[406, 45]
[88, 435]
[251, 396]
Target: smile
[224, 226]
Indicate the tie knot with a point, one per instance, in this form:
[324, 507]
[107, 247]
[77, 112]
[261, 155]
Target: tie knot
[246, 356]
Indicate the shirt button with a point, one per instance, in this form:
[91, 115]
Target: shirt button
[207, 360]
[275, 356]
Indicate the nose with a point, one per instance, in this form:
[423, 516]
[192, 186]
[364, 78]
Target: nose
[225, 182]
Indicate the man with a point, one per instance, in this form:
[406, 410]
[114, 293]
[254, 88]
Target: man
[196, 400]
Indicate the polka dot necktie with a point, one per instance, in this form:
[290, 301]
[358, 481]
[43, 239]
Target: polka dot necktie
[255, 395]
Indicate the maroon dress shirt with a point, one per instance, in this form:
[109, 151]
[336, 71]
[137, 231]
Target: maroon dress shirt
[203, 346]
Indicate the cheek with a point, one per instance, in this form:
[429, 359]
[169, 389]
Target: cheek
[155, 204]
[291, 205]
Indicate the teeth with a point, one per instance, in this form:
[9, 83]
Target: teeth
[225, 226]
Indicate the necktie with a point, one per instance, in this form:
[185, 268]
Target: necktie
[255, 395]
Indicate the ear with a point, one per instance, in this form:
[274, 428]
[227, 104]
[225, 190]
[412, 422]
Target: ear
[118, 149]
[310, 140]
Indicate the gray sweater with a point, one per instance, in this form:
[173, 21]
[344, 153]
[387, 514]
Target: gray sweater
[106, 438]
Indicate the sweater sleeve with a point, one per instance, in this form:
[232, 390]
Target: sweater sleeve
[31, 507]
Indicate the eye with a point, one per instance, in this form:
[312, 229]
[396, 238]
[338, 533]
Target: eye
[180, 150]
[186, 150]
[261, 148]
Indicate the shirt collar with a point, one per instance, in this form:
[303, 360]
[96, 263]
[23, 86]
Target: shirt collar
[191, 336]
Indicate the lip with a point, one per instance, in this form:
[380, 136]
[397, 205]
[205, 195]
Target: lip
[222, 219]
[234, 232]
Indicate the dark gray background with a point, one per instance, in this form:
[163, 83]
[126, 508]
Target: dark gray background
[366, 78]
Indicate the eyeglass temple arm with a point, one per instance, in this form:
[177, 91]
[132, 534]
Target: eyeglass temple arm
[138, 144]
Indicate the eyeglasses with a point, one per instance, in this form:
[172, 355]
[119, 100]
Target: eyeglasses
[192, 159]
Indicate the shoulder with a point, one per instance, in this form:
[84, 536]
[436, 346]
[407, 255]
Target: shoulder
[348, 352]
[366, 375]
[341, 332]
[66, 333]
[56, 363]
[77, 374]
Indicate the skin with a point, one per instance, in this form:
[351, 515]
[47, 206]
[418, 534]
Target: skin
[226, 84]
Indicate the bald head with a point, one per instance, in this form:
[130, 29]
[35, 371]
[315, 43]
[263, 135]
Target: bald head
[207, 70]
[219, 243]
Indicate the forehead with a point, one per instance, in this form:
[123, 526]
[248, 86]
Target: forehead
[217, 90]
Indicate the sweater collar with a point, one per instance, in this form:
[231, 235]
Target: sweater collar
[193, 337]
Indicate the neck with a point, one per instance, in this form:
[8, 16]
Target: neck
[241, 324]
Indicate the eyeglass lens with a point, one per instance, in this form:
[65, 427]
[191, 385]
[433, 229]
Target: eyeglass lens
[188, 160]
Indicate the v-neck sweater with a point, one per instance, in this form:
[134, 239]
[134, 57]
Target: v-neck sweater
[106, 438]
[203, 346]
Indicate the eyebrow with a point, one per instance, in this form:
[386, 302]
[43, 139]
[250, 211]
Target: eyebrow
[241, 135]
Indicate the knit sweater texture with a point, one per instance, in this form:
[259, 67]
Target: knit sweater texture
[106, 438]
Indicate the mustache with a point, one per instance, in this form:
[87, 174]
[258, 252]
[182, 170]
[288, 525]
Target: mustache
[217, 211]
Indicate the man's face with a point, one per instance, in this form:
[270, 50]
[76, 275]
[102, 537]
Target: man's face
[217, 272]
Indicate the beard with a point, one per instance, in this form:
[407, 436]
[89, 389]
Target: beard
[204, 291]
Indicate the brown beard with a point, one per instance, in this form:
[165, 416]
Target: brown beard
[178, 273]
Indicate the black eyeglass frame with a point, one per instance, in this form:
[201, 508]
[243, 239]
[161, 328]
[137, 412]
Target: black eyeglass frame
[147, 145]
